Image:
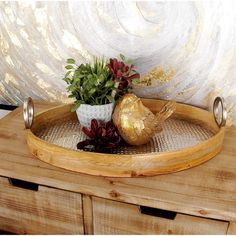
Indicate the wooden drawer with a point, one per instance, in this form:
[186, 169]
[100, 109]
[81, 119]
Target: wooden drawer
[112, 217]
[39, 209]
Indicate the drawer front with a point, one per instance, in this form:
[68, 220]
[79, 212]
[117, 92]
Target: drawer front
[112, 217]
[32, 209]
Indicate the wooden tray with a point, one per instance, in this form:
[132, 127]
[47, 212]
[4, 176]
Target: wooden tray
[189, 138]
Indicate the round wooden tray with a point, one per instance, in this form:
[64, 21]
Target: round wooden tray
[189, 138]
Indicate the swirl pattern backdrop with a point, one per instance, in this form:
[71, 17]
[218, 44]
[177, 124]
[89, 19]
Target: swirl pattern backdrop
[195, 39]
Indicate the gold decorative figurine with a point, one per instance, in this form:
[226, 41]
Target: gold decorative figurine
[135, 122]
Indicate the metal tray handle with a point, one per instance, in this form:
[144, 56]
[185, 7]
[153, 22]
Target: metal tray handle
[219, 101]
[28, 112]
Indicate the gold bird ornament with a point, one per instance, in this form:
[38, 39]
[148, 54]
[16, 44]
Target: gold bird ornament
[135, 122]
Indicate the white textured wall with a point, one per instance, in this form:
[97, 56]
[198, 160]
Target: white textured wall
[196, 39]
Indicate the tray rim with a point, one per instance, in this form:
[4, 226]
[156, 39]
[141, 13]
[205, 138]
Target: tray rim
[215, 143]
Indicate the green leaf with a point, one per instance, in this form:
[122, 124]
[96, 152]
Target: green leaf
[78, 75]
[101, 78]
[76, 105]
[110, 98]
[109, 83]
[122, 57]
[129, 61]
[68, 67]
[70, 61]
[90, 76]
[136, 81]
[74, 108]
[72, 88]
[68, 73]
[92, 91]
[67, 80]
[97, 100]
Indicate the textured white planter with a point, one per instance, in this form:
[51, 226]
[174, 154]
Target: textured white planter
[86, 113]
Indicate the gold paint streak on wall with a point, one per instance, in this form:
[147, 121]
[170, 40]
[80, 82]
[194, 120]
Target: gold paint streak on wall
[71, 41]
[191, 45]
[186, 90]
[158, 75]
[4, 46]
[10, 78]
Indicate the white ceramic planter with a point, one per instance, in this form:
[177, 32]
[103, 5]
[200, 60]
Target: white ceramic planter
[86, 113]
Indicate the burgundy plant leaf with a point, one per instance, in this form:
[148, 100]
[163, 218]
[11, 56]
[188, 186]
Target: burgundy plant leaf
[110, 145]
[119, 74]
[94, 126]
[127, 68]
[123, 84]
[134, 76]
[114, 63]
[122, 72]
[104, 137]
[99, 132]
[83, 144]
[111, 69]
[88, 133]
[108, 125]
[109, 135]
[102, 124]
[120, 65]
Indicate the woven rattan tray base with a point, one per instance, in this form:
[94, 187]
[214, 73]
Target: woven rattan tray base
[189, 138]
[176, 135]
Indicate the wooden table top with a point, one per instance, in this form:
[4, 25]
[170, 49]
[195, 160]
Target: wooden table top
[207, 190]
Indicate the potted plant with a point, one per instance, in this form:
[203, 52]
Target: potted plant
[96, 86]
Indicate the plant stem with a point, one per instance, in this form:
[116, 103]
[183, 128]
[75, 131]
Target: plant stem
[113, 93]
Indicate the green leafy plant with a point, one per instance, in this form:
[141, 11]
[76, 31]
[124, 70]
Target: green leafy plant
[101, 82]
[89, 83]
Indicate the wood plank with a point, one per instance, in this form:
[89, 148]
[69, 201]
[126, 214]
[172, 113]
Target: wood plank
[112, 217]
[46, 211]
[207, 190]
[87, 214]
[232, 228]
[160, 195]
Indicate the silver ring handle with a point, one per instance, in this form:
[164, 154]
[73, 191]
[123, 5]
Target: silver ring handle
[219, 101]
[28, 112]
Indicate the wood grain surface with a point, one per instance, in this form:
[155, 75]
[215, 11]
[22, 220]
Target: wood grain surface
[129, 165]
[87, 214]
[112, 217]
[207, 190]
[232, 228]
[46, 211]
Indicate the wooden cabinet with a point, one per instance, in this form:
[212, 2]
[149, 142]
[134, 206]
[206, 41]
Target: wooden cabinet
[43, 199]
[31, 209]
[232, 228]
[111, 217]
